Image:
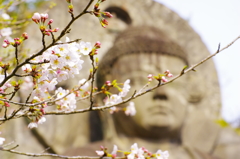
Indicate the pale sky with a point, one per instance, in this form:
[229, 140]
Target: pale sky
[217, 21]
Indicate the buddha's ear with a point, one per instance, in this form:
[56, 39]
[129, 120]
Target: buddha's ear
[196, 87]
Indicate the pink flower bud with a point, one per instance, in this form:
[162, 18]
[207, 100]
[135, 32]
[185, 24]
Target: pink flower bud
[104, 21]
[5, 45]
[100, 153]
[17, 43]
[96, 52]
[109, 15]
[164, 79]
[8, 85]
[25, 36]
[50, 21]
[108, 83]
[6, 104]
[150, 77]
[47, 33]
[167, 72]
[42, 110]
[55, 30]
[36, 17]
[44, 17]
[169, 75]
[97, 44]
[16, 39]
[6, 41]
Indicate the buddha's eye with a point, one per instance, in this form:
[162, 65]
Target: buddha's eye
[120, 14]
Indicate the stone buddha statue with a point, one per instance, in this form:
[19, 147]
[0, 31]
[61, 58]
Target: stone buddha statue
[166, 118]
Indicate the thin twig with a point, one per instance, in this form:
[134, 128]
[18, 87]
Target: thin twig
[16, 54]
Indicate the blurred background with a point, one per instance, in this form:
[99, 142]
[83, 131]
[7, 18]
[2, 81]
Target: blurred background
[217, 21]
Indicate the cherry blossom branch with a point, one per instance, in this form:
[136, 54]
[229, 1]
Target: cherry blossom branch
[151, 89]
[66, 29]
[92, 81]
[64, 32]
[138, 94]
[16, 54]
[11, 150]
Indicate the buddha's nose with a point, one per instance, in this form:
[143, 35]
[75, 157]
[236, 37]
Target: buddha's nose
[160, 94]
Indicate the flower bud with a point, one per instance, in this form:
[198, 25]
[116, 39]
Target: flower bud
[25, 36]
[55, 30]
[6, 104]
[164, 79]
[108, 83]
[44, 17]
[6, 41]
[5, 45]
[98, 44]
[50, 21]
[36, 17]
[109, 15]
[47, 33]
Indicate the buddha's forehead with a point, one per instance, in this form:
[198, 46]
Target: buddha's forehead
[148, 63]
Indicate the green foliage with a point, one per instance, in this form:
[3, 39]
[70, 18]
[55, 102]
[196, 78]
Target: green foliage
[222, 123]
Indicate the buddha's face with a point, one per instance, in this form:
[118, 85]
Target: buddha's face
[161, 108]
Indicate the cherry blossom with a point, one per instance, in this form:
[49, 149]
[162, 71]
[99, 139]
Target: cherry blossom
[2, 140]
[168, 74]
[32, 125]
[36, 17]
[27, 84]
[130, 109]
[85, 47]
[5, 16]
[115, 149]
[164, 79]
[162, 154]
[6, 32]
[150, 77]
[27, 68]
[85, 86]
[114, 152]
[100, 153]
[113, 99]
[125, 89]
[41, 120]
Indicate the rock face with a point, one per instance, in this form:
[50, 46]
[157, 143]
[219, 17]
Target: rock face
[72, 132]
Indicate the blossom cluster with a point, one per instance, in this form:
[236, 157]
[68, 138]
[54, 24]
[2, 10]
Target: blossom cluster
[40, 19]
[138, 153]
[118, 98]
[160, 77]
[100, 15]
[57, 64]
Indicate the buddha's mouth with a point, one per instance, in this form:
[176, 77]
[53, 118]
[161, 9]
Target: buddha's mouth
[159, 110]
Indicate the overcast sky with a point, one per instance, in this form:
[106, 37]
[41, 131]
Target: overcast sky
[217, 21]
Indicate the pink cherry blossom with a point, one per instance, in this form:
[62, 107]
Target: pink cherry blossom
[100, 153]
[36, 17]
[2, 140]
[130, 109]
[162, 154]
[32, 125]
[125, 89]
